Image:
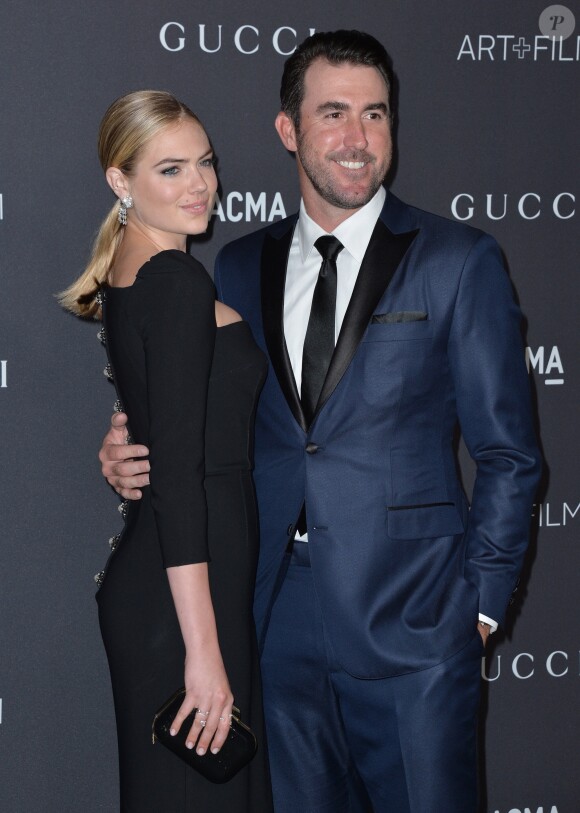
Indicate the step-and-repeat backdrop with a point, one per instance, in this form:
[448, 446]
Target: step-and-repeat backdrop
[488, 133]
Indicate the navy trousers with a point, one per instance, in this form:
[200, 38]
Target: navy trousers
[411, 739]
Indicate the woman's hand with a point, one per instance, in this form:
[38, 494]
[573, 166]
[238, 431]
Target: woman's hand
[207, 690]
[206, 684]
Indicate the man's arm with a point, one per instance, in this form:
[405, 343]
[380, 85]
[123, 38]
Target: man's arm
[486, 357]
[122, 464]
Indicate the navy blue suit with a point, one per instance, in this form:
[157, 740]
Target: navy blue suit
[401, 564]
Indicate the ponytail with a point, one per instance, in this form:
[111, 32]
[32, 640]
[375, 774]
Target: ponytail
[127, 126]
[80, 297]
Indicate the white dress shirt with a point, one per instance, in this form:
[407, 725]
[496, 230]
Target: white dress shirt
[304, 264]
[302, 274]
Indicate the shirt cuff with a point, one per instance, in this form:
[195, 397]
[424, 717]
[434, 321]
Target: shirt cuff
[487, 620]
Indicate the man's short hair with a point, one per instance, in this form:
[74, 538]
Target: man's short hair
[336, 47]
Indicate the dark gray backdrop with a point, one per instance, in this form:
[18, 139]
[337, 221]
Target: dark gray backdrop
[487, 131]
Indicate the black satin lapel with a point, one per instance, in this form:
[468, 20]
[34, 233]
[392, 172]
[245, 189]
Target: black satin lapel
[273, 279]
[382, 258]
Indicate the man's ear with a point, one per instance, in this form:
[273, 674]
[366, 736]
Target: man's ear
[117, 181]
[286, 130]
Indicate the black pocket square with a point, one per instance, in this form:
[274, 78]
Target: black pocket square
[398, 316]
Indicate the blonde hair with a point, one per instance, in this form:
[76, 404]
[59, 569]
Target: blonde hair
[127, 126]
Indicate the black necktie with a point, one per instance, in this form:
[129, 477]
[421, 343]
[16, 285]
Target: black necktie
[319, 341]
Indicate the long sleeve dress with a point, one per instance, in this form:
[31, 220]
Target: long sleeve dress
[189, 390]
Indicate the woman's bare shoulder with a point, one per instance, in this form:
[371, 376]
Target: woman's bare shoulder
[224, 315]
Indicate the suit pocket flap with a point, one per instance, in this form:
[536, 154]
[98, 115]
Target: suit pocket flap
[398, 331]
[398, 317]
[424, 521]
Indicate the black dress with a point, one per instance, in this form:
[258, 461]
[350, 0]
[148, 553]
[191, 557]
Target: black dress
[189, 390]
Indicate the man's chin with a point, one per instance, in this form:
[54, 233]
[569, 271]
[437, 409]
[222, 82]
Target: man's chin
[353, 199]
[342, 193]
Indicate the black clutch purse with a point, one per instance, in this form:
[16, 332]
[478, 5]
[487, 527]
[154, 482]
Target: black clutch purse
[238, 749]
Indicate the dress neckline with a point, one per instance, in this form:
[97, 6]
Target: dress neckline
[109, 287]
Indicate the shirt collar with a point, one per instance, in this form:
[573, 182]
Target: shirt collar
[354, 233]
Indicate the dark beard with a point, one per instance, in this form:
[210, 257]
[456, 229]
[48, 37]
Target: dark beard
[323, 184]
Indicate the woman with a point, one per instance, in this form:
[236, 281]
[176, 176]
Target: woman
[178, 587]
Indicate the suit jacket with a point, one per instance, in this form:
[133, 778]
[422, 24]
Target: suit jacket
[431, 338]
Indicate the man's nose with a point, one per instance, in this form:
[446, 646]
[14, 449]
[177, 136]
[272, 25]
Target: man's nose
[355, 135]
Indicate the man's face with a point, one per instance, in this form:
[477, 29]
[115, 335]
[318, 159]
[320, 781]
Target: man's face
[343, 142]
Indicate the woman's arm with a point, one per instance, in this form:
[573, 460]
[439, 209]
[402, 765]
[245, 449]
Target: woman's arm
[206, 683]
[175, 314]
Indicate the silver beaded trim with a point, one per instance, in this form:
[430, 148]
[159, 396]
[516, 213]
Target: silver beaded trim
[114, 541]
[118, 406]
[122, 508]
[102, 336]
[108, 371]
[100, 296]
[98, 577]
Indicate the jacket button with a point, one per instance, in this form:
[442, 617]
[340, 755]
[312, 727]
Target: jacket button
[311, 448]
[290, 529]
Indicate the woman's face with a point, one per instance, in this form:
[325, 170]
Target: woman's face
[174, 184]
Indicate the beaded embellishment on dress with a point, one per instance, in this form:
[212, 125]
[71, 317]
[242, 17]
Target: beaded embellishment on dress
[118, 407]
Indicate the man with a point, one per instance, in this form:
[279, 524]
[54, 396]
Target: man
[377, 587]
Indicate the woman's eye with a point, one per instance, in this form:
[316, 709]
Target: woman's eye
[170, 171]
[207, 162]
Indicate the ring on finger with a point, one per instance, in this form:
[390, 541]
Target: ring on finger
[205, 713]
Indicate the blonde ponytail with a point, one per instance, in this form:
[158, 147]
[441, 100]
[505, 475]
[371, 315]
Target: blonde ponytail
[80, 297]
[127, 126]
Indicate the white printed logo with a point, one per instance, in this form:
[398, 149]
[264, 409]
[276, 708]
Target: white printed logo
[546, 362]
[526, 665]
[508, 47]
[237, 206]
[554, 515]
[541, 809]
[529, 206]
[246, 39]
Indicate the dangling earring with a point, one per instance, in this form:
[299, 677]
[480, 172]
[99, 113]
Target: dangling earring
[124, 204]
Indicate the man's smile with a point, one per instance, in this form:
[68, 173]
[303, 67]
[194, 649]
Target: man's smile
[352, 164]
